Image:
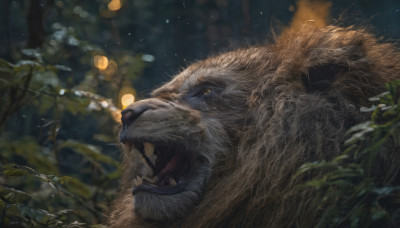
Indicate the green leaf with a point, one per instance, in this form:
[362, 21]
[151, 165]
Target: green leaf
[32, 53]
[6, 68]
[64, 212]
[48, 78]
[4, 63]
[385, 191]
[30, 63]
[10, 171]
[359, 127]
[370, 109]
[40, 216]
[59, 67]
[77, 187]
[378, 97]
[359, 135]
[13, 195]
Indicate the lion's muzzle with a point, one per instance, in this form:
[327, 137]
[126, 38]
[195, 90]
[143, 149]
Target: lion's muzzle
[165, 135]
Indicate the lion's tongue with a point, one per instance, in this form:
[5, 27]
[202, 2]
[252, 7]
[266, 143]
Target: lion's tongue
[172, 164]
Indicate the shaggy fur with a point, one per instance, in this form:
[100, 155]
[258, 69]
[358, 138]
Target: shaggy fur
[271, 109]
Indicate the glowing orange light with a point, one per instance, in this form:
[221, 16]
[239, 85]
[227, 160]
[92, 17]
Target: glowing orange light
[101, 62]
[114, 5]
[313, 13]
[127, 99]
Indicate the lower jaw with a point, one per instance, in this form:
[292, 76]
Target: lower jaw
[159, 191]
[150, 206]
[161, 208]
[169, 190]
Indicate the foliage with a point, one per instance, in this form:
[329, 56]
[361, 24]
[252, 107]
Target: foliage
[361, 186]
[38, 196]
[58, 158]
[59, 162]
[22, 207]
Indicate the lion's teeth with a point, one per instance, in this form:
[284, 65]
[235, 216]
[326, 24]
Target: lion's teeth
[152, 181]
[172, 181]
[155, 179]
[148, 149]
[138, 181]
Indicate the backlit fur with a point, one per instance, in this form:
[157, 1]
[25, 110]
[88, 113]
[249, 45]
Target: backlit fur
[282, 105]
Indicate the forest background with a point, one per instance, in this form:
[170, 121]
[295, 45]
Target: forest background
[65, 66]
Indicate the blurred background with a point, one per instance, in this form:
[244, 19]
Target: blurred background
[68, 67]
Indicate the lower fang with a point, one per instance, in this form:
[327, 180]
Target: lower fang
[138, 181]
[152, 181]
[172, 181]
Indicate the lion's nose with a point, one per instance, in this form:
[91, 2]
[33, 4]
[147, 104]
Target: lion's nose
[130, 115]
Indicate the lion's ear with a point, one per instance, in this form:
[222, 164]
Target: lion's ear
[320, 77]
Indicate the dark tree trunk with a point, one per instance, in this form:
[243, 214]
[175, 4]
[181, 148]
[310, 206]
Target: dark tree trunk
[35, 24]
[6, 23]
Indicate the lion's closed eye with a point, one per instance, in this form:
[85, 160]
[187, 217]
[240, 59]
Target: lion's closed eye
[205, 91]
[204, 96]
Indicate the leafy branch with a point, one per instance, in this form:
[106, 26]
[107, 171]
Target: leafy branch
[361, 187]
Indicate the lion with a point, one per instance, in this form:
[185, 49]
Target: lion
[217, 146]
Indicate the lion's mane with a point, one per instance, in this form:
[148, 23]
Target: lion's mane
[304, 92]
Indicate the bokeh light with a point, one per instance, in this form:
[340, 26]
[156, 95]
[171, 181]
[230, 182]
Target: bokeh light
[101, 62]
[314, 13]
[127, 99]
[110, 71]
[114, 5]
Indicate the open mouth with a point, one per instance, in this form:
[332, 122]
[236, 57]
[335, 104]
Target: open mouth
[170, 165]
